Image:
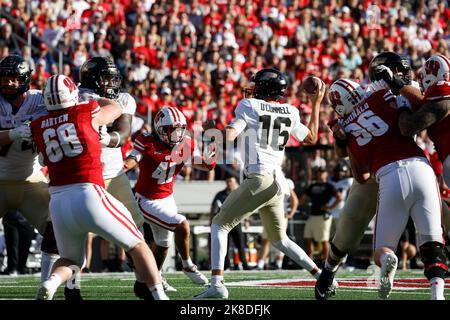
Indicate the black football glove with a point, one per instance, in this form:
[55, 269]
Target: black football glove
[394, 81]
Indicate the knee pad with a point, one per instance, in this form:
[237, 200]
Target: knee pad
[48, 244]
[434, 259]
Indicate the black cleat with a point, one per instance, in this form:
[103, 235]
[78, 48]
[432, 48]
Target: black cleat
[325, 287]
[141, 291]
[72, 294]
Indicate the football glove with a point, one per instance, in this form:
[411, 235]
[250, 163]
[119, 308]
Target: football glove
[22, 132]
[394, 82]
[104, 136]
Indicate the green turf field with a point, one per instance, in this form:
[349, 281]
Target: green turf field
[246, 285]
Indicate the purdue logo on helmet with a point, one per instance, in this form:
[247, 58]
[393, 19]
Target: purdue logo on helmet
[14, 66]
[60, 92]
[436, 68]
[268, 83]
[170, 125]
[101, 75]
[344, 95]
[395, 62]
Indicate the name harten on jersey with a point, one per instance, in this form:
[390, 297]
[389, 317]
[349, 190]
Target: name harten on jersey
[19, 160]
[111, 158]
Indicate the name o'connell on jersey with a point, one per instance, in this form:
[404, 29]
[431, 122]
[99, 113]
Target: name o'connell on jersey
[268, 127]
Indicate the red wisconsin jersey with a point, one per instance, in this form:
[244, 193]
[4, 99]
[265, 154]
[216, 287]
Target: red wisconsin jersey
[160, 164]
[70, 145]
[439, 132]
[375, 139]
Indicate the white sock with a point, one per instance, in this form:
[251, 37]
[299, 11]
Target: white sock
[437, 288]
[52, 283]
[279, 262]
[219, 245]
[47, 261]
[216, 280]
[157, 291]
[74, 281]
[261, 264]
[293, 251]
[187, 263]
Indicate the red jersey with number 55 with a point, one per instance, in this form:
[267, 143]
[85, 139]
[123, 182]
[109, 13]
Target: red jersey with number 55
[160, 164]
[439, 132]
[69, 145]
[375, 138]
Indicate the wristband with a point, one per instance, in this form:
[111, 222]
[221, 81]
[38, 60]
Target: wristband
[118, 139]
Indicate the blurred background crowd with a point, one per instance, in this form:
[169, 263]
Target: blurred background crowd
[198, 55]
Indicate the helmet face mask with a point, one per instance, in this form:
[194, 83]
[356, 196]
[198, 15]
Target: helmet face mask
[172, 135]
[15, 77]
[170, 126]
[102, 76]
[268, 84]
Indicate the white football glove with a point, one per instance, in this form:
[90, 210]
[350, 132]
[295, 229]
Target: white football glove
[22, 132]
[104, 136]
[378, 85]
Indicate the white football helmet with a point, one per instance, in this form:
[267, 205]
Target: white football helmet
[436, 68]
[170, 125]
[60, 92]
[344, 95]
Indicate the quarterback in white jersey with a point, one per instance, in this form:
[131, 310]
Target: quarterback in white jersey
[266, 125]
[23, 187]
[100, 78]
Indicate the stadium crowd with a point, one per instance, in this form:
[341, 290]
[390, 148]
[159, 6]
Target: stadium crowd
[198, 55]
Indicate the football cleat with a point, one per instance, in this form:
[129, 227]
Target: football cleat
[325, 287]
[214, 292]
[141, 291]
[44, 294]
[72, 294]
[195, 275]
[166, 286]
[387, 273]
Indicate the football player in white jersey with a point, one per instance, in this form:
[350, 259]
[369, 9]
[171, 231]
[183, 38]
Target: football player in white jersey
[266, 125]
[100, 78]
[23, 186]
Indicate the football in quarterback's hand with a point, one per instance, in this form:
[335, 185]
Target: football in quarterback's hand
[311, 84]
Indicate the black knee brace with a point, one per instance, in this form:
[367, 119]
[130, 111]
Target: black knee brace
[48, 244]
[433, 258]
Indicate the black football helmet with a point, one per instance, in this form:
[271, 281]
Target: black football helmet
[15, 66]
[102, 76]
[394, 61]
[268, 83]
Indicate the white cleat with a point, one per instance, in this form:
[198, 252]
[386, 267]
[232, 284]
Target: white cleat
[44, 294]
[195, 275]
[387, 273]
[166, 286]
[214, 292]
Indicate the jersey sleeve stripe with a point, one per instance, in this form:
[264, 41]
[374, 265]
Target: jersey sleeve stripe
[137, 142]
[139, 148]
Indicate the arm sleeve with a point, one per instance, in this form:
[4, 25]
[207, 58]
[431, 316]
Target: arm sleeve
[243, 110]
[299, 130]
